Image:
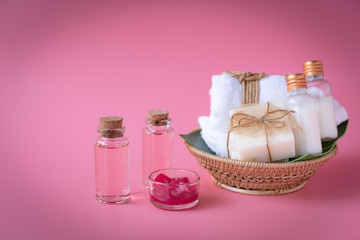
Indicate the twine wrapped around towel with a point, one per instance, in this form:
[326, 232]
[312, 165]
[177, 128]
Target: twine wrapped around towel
[250, 85]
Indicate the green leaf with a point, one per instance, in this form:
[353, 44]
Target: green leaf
[326, 146]
[194, 138]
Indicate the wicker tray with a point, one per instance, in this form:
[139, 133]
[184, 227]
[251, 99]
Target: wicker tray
[258, 178]
[255, 177]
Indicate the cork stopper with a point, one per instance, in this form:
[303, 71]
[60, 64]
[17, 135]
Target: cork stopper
[296, 81]
[111, 127]
[158, 117]
[313, 68]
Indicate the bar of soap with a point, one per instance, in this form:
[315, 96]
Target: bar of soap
[248, 141]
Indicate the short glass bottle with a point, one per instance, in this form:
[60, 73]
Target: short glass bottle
[112, 162]
[320, 89]
[157, 144]
[307, 133]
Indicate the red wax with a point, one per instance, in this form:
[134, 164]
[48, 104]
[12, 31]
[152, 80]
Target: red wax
[174, 191]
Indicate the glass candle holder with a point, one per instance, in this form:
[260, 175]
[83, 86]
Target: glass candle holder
[174, 189]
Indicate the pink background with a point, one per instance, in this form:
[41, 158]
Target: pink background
[64, 64]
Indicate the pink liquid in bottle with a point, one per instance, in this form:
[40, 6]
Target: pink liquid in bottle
[112, 167]
[157, 146]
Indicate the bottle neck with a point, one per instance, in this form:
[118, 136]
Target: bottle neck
[314, 77]
[297, 91]
[158, 128]
[111, 133]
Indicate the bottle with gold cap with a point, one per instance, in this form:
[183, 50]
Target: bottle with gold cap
[157, 144]
[307, 133]
[320, 89]
[112, 162]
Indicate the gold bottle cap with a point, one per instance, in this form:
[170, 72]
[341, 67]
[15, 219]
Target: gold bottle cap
[296, 81]
[313, 68]
[158, 117]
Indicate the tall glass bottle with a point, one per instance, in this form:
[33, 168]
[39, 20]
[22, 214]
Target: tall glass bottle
[157, 144]
[307, 133]
[112, 162]
[320, 89]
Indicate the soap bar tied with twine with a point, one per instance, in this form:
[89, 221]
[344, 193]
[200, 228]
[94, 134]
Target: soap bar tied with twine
[250, 96]
[255, 125]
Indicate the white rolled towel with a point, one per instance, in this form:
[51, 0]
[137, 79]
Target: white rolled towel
[225, 95]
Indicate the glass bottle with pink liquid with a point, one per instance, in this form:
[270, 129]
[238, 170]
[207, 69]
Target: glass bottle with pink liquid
[112, 162]
[157, 144]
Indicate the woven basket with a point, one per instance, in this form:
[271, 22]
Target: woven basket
[258, 178]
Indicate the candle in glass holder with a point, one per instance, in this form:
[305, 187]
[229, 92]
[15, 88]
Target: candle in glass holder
[174, 189]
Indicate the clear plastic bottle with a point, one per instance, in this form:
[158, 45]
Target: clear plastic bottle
[320, 89]
[157, 144]
[112, 162]
[307, 133]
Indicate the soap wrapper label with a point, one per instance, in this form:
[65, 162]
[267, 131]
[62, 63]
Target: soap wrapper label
[260, 133]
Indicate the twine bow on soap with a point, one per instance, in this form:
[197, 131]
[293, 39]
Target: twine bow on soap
[266, 121]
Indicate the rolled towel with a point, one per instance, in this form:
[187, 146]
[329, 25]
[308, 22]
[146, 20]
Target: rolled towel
[226, 94]
[214, 135]
[340, 113]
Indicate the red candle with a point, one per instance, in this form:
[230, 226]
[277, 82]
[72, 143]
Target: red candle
[174, 189]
